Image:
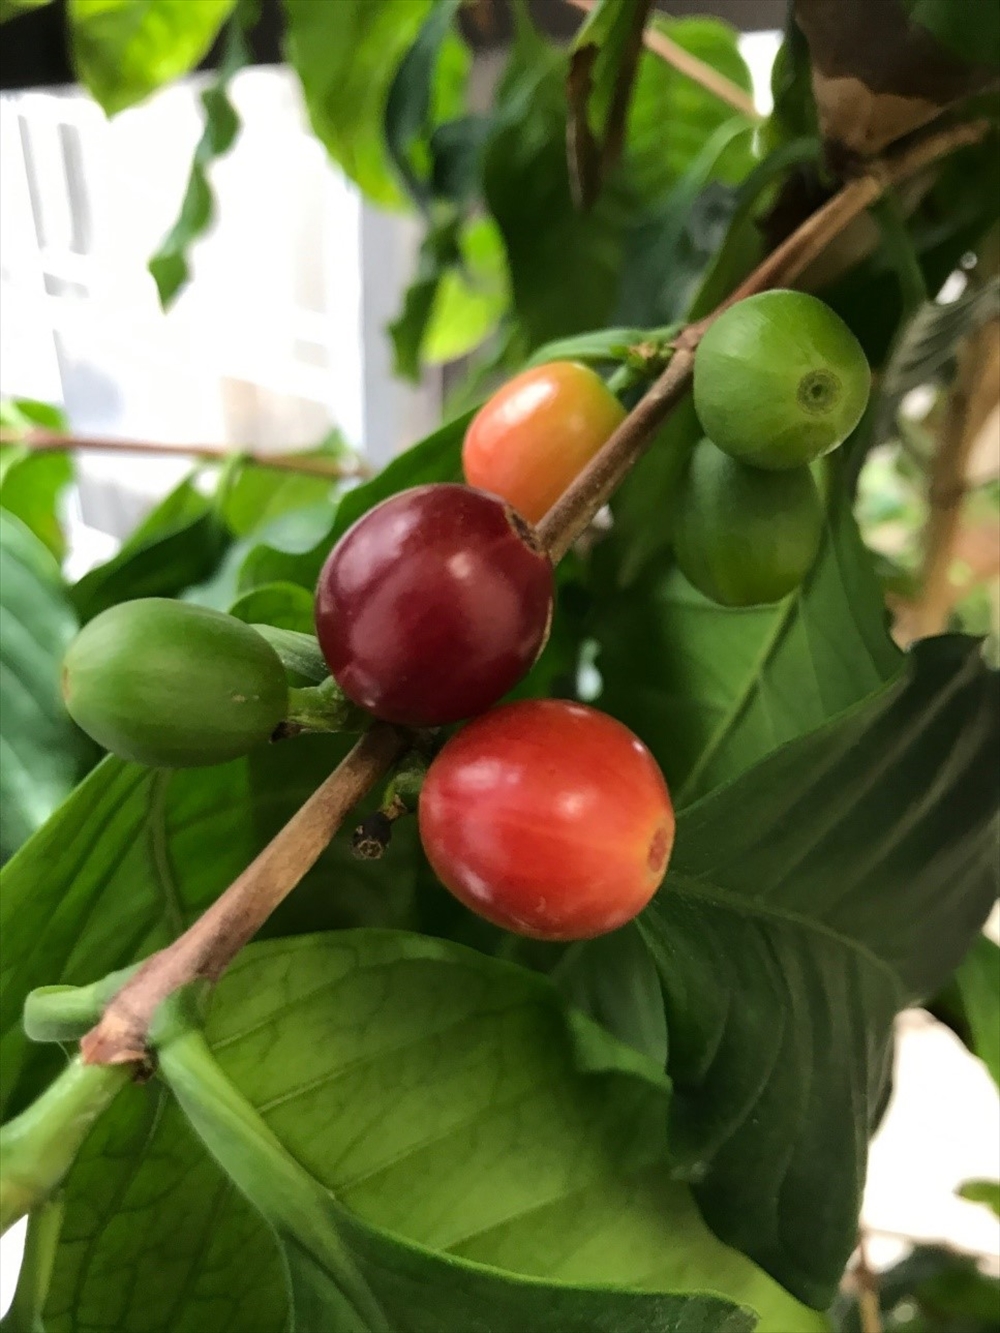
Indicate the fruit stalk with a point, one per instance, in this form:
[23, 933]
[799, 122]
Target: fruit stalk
[210, 944]
[39, 1146]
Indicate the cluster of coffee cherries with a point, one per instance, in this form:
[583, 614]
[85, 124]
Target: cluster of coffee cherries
[544, 816]
[779, 382]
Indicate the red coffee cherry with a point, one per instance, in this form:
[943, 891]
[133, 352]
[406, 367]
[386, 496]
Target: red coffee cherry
[548, 818]
[531, 439]
[433, 605]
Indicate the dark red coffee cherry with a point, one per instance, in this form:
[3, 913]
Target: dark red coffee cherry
[433, 605]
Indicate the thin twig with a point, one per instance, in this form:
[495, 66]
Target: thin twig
[43, 441]
[211, 943]
[697, 70]
[208, 946]
[866, 1281]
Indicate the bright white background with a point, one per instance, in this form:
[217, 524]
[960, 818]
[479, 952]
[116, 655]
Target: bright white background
[279, 337]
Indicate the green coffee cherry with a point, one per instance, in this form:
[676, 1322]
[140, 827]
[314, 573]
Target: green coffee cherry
[780, 380]
[173, 685]
[743, 536]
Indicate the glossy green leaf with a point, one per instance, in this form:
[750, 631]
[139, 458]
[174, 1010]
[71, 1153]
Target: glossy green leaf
[169, 266]
[460, 292]
[32, 481]
[598, 347]
[155, 1239]
[31, 487]
[134, 854]
[41, 753]
[347, 1274]
[299, 651]
[21, 416]
[179, 543]
[807, 901]
[712, 690]
[444, 1097]
[346, 54]
[123, 50]
[978, 982]
[603, 61]
[286, 605]
[251, 497]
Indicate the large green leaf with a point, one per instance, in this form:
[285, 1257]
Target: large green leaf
[443, 1096]
[154, 1237]
[124, 49]
[350, 1275]
[252, 497]
[134, 854]
[807, 901]
[713, 690]
[672, 117]
[346, 54]
[178, 544]
[40, 750]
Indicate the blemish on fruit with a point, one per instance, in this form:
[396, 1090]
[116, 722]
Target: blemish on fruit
[659, 850]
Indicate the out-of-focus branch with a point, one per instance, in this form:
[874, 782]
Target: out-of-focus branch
[42, 441]
[971, 402]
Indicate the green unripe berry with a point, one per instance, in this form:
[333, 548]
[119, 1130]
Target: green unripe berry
[743, 536]
[173, 685]
[780, 380]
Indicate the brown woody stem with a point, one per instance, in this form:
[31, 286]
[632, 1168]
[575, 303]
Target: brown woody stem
[207, 947]
[43, 441]
[972, 398]
[210, 944]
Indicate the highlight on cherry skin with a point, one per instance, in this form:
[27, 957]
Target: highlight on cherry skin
[434, 605]
[537, 433]
[548, 818]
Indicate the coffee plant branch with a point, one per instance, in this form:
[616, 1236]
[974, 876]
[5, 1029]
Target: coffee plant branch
[210, 944]
[42, 441]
